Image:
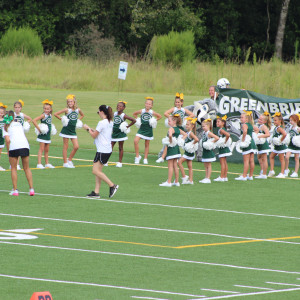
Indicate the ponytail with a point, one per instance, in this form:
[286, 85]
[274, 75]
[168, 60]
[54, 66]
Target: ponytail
[107, 111]
[8, 119]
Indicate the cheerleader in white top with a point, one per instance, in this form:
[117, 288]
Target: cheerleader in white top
[2, 114]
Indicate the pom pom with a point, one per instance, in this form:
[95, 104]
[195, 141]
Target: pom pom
[184, 123]
[246, 142]
[167, 123]
[65, 121]
[174, 142]
[276, 141]
[228, 143]
[44, 129]
[221, 142]
[257, 139]
[26, 126]
[180, 141]
[209, 144]
[165, 141]
[53, 130]
[296, 140]
[124, 128]
[79, 124]
[153, 122]
[138, 123]
[287, 139]
[191, 147]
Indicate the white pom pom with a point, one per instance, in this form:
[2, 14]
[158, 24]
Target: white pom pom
[209, 144]
[26, 126]
[191, 147]
[246, 143]
[153, 122]
[165, 141]
[277, 140]
[167, 123]
[44, 129]
[287, 139]
[138, 123]
[296, 140]
[184, 123]
[174, 142]
[79, 124]
[255, 138]
[228, 143]
[180, 141]
[124, 128]
[221, 142]
[53, 130]
[65, 121]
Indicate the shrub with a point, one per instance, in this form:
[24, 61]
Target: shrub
[21, 41]
[174, 48]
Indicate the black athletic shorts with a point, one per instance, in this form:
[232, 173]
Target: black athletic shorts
[102, 157]
[19, 152]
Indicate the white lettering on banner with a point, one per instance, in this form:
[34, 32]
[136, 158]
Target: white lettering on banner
[261, 106]
[18, 234]
[284, 108]
[224, 106]
[235, 104]
[252, 104]
[273, 108]
[297, 108]
[244, 104]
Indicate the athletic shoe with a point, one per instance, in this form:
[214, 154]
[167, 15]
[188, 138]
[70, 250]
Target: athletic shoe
[145, 161]
[205, 180]
[119, 165]
[166, 184]
[137, 160]
[184, 179]
[160, 160]
[241, 178]
[219, 179]
[286, 172]
[70, 163]
[175, 184]
[105, 165]
[40, 166]
[188, 182]
[93, 194]
[225, 179]
[271, 174]
[113, 190]
[249, 178]
[294, 175]
[280, 175]
[66, 165]
[18, 168]
[261, 176]
[2, 169]
[31, 192]
[14, 193]
[49, 166]
[261, 172]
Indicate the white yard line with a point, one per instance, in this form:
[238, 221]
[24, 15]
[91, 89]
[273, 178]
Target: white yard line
[164, 205]
[281, 283]
[254, 287]
[220, 291]
[151, 257]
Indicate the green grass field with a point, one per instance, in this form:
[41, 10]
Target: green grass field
[206, 241]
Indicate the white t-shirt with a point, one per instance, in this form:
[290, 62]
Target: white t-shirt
[17, 136]
[103, 140]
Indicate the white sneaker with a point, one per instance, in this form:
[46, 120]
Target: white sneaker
[160, 160]
[18, 168]
[271, 174]
[175, 184]
[219, 179]
[49, 166]
[280, 175]
[105, 165]
[249, 178]
[286, 172]
[205, 180]
[166, 184]
[66, 165]
[188, 182]
[184, 179]
[241, 178]
[137, 160]
[2, 169]
[40, 166]
[145, 161]
[225, 179]
[70, 163]
[261, 172]
[261, 176]
[294, 175]
[119, 165]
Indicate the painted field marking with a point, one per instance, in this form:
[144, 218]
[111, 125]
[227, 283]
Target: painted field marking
[150, 257]
[149, 298]
[220, 291]
[163, 205]
[98, 285]
[281, 283]
[253, 287]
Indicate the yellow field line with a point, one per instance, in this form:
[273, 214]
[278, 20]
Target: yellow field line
[237, 242]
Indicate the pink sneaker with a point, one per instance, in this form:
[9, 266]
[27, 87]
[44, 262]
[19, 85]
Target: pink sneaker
[14, 193]
[31, 192]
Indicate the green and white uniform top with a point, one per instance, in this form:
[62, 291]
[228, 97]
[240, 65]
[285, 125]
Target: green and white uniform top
[145, 131]
[174, 152]
[1, 134]
[117, 134]
[20, 118]
[188, 155]
[69, 131]
[46, 138]
[252, 147]
[281, 148]
[181, 113]
[223, 152]
[265, 147]
[207, 155]
[293, 148]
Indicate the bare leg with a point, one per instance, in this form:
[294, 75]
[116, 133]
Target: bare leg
[272, 160]
[65, 149]
[287, 160]
[176, 170]
[260, 160]
[297, 162]
[136, 146]
[75, 148]
[281, 159]
[264, 163]
[180, 162]
[25, 162]
[14, 177]
[207, 166]
[40, 153]
[46, 153]
[97, 171]
[164, 154]
[170, 170]
[223, 167]
[252, 164]
[121, 151]
[246, 159]
[190, 166]
[147, 146]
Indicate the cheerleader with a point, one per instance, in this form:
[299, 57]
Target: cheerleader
[224, 150]
[263, 147]
[173, 152]
[208, 144]
[44, 134]
[145, 132]
[190, 146]
[248, 145]
[177, 109]
[279, 136]
[294, 146]
[119, 135]
[68, 131]
[2, 114]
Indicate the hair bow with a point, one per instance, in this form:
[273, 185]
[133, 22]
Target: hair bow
[70, 96]
[298, 116]
[2, 105]
[7, 119]
[21, 101]
[277, 114]
[207, 120]
[47, 102]
[123, 102]
[224, 118]
[176, 115]
[149, 98]
[179, 95]
[266, 113]
[248, 113]
[193, 121]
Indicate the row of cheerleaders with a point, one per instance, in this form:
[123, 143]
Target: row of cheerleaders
[259, 139]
